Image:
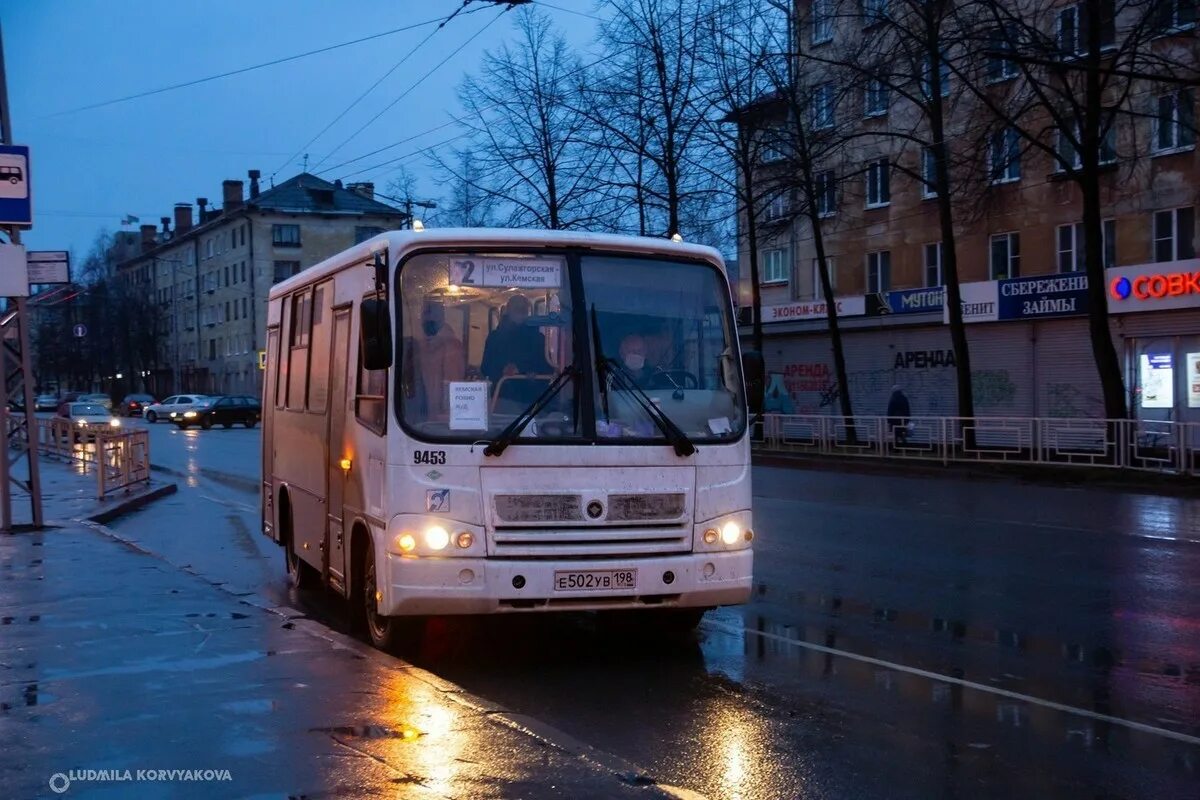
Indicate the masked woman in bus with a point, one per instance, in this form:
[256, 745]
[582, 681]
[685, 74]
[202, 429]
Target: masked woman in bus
[439, 359]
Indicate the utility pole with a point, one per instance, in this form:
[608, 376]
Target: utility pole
[21, 373]
[408, 207]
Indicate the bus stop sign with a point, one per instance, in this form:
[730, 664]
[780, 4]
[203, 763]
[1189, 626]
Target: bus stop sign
[16, 198]
[80, 331]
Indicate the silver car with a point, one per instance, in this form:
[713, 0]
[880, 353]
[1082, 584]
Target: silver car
[173, 406]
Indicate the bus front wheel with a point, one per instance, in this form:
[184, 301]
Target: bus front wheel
[390, 634]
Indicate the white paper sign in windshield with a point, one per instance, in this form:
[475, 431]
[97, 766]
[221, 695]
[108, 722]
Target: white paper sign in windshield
[521, 273]
[468, 405]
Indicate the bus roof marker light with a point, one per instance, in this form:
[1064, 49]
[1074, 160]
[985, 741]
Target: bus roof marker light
[418, 226]
[675, 237]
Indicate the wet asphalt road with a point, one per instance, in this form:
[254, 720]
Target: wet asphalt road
[910, 637]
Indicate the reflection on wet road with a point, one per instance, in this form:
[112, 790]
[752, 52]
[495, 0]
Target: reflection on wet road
[908, 638]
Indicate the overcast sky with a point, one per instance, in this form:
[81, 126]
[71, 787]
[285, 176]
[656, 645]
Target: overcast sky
[91, 168]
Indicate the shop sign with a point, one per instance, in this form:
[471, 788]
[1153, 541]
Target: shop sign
[790, 312]
[1044, 296]
[906, 301]
[1154, 287]
[980, 302]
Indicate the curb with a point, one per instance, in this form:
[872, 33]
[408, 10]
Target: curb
[236, 481]
[133, 504]
[1075, 477]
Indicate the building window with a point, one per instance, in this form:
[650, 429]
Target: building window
[1072, 253]
[1172, 16]
[928, 173]
[227, 276]
[879, 191]
[822, 22]
[245, 308]
[876, 98]
[228, 311]
[776, 206]
[1006, 256]
[1000, 68]
[285, 235]
[364, 232]
[826, 193]
[879, 271]
[208, 248]
[933, 264]
[873, 11]
[1069, 153]
[285, 270]
[771, 145]
[943, 76]
[1004, 156]
[1174, 234]
[1072, 33]
[1175, 121]
[775, 266]
[823, 106]
[243, 272]
[831, 268]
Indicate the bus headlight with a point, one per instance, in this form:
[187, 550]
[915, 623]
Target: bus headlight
[727, 532]
[114, 423]
[436, 537]
[405, 543]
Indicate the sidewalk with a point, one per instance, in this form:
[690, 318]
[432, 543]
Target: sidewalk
[114, 662]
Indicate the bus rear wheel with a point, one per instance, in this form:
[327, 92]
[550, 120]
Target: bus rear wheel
[390, 634]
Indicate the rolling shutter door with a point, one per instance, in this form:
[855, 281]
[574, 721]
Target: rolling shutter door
[1067, 382]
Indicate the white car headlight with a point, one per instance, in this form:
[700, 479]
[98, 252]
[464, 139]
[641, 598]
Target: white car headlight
[189, 414]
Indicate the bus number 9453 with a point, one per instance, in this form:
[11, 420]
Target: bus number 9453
[429, 456]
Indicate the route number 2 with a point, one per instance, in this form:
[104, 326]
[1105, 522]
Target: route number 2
[462, 273]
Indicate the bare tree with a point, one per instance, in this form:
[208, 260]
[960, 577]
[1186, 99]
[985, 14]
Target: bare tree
[527, 140]
[468, 205]
[648, 104]
[1073, 81]
[905, 50]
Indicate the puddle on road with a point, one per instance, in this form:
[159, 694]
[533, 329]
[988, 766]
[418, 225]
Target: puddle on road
[370, 732]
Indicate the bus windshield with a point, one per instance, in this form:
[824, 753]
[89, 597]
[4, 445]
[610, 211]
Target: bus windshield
[483, 335]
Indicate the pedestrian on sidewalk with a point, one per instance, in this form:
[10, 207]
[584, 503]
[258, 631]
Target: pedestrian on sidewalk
[898, 412]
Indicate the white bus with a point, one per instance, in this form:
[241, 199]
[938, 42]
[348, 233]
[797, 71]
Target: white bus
[479, 421]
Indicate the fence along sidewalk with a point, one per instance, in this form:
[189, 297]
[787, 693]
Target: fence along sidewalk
[121, 458]
[1144, 445]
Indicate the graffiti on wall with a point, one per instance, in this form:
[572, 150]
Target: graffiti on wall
[931, 387]
[1068, 400]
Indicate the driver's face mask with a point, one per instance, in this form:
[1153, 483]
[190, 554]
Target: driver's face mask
[635, 360]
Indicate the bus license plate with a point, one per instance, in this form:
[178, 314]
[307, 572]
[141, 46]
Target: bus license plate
[595, 580]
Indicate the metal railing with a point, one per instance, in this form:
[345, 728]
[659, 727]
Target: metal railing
[121, 459]
[1144, 445]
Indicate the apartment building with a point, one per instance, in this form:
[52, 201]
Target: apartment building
[1019, 250]
[210, 275]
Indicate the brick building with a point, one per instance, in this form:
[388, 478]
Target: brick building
[1020, 259]
[211, 273]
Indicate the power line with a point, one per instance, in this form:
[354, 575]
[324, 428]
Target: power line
[242, 70]
[415, 84]
[458, 120]
[374, 86]
[568, 10]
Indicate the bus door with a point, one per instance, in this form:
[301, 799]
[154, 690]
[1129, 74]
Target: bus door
[339, 361]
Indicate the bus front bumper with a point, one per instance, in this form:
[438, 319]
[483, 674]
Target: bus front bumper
[420, 586]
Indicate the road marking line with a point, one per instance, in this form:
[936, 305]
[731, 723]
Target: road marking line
[937, 676]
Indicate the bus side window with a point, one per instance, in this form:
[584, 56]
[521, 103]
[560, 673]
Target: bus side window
[280, 364]
[318, 374]
[298, 341]
[370, 400]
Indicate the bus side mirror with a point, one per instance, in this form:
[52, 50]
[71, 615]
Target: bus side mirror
[375, 335]
[755, 372]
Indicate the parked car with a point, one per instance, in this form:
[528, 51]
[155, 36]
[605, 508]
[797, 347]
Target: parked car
[45, 402]
[133, 404]
[224, 411]
[98, 399]
[87, 419]
[176, 403]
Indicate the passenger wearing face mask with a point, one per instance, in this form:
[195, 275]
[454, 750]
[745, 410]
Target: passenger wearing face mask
[441, 360]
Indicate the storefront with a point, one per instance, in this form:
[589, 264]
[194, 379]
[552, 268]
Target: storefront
[1030, 347]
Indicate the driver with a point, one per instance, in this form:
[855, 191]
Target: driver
[633, 357]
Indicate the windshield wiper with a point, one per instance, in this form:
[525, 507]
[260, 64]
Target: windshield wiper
[625, 381]
[510, 434]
